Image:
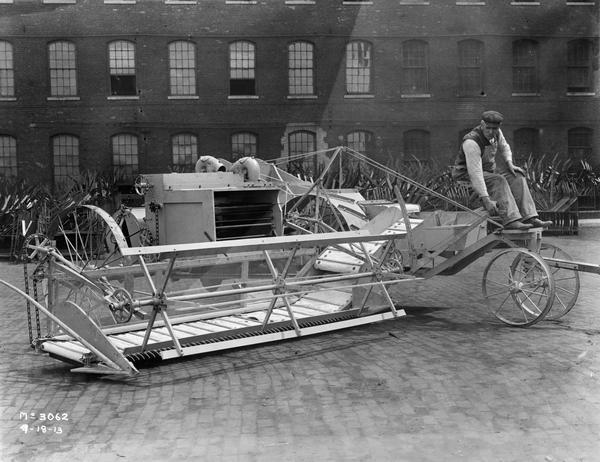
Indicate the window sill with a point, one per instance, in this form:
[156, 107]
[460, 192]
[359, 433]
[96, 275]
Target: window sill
[420, 95]
[8, 98]
[240, 2]
[581, 3]
[582, 93]
[300, 2]
[363, 96]
[242, 97]
[350, 2]
[408, 2]
[525, 3]
[470, 3]
[59, 1]
[116, 97]
[63, 98]
[116, 2]
[525, 94]
[183, 97]
[302, 97]
[181, 2]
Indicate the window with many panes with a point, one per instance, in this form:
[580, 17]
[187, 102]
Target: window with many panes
[525, 67]
[63, 69]
[416, 145]
[525, 143]
[7, 72]
[415, 67]
[182, 68]
[358, 68]
[8, 156]
[184, 150]
[125, 156]
[580, 143]
[65, 155]
[580, 69]
[361, 141]
[243, 144]
[470, 61]
[300, 69]
[122, 68]
[302, 142]
[242, 74]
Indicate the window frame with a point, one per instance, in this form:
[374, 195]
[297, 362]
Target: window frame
[133, 58]
[69, 170]
[123, 167]
[310, 50]
[250, 70]
[170, 59]
[420, 91]
[192, 156]
[7, 73]
[252, 141]
[588, 148]
[73, 82]
[362, 72]
[11, 169]
[533, 90]
[480, 52]
[366, 137]
[589, 66]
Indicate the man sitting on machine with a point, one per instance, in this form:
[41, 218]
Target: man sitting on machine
[485, 159]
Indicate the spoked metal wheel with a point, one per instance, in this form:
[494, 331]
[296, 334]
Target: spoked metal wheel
[89, 238]
[566, 282]
[90, 242]
[518, 287]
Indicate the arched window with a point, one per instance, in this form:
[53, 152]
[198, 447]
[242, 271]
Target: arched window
[580, 69]
[242, 69]
[358, 68]
[470, 62]
[361, 141]
[182, 68]
[121, 54]
[525, 67]
[243, 144]
[580, 143]
[7, 71]
[416, 145]
[300, 69]
[125, 155]
[63, 69]
[65, 155]
[415, 64]
[302, 142]
[184, 150]
[8, 156]
[525, 143]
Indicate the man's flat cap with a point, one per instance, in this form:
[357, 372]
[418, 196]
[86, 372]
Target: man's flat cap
[492, 117]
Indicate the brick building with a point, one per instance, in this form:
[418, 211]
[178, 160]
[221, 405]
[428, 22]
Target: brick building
[148, 85]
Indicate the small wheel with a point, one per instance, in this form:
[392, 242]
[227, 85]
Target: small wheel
[121, 305]
[31, 252]
[566, 281]
[141, 185]
[518, 287]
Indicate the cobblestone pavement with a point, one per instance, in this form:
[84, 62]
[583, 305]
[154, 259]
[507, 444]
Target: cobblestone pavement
[447, 382]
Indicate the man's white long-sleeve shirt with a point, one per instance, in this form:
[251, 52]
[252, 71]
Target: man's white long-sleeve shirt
[475, 160]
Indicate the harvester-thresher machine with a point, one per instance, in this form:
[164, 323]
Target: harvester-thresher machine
[241, 254]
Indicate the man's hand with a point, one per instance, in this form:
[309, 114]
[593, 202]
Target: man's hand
[514, 169]
[490, 206]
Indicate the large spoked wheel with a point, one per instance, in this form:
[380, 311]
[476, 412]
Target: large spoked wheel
[566, 282]
[89, 238]
[518, 287]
